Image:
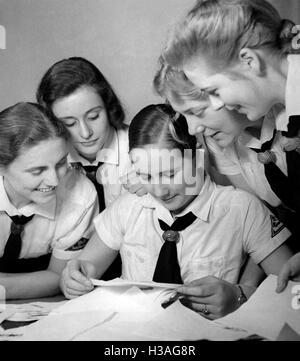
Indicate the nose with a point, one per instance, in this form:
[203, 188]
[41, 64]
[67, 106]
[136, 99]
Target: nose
[194, 126]
[159, 190]
[216, 102]
[85, 130]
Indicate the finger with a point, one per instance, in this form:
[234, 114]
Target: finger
[199, 308]
[75, 293]
[75, 274]
[141, 192]
[283, 278]
[202, 300]
[76, 286]
[204, 281]
[197, 291]
[134, 188]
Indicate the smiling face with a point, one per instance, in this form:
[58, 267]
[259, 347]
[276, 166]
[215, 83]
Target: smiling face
[83, 113]
[222, 125]
[239, 88]
[35, 174]
[167, 175]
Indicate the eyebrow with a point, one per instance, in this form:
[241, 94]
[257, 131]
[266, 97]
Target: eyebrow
[85, 114]
[43, 167]
[160, 173]
[195, 109]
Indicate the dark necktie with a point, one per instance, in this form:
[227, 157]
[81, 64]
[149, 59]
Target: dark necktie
[14, 243]
[91, 171]
[167, 268]
[285, 187]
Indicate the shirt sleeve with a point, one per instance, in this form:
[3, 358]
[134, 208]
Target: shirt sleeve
[111, 224]
[263, 232]
[75, 224]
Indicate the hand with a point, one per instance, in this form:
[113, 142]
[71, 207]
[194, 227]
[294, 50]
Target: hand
[217, 296]
[132, 183]
[75, 279]
[291, 270]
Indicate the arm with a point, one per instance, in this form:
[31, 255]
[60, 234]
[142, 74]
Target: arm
[273, 263]
[251, 274]
[92, 263]
[291, 269]
[33, 284]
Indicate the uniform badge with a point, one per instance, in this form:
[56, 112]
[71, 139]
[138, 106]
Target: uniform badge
[78, 245]
[276, 226]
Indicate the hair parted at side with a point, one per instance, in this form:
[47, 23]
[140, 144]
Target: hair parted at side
[68, 75]
[24, 125]
[173, 85]
[219, 29]
[159, 124]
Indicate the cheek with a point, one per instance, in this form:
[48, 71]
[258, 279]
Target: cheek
[74, 132]
[101, 126]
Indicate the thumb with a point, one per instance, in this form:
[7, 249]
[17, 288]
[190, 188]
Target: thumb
[283, 278]
[87, 269]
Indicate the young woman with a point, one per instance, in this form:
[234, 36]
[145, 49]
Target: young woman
[224, 224]
[78, 94]
[46, 209]
[248, 62]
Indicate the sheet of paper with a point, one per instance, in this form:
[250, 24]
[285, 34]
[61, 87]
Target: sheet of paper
[176, 323]
[288, 334]
[30, 311]
[119, 282]
[266, 312]
[98, 309]
[117, 299]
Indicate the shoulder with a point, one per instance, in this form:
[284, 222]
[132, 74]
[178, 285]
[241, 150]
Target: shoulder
[127, 202]
[237, 199]
[76, 188]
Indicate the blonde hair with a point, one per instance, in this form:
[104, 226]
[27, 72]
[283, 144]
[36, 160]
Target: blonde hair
[219, 29]
[170, 82]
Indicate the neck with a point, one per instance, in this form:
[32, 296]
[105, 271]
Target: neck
[278, 77]
[255, 128]
[179, 210]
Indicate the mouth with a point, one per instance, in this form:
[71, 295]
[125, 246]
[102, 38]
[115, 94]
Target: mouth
[168, 199]
[46, 190]
[212, 135]
[233, 107]
[89, 143]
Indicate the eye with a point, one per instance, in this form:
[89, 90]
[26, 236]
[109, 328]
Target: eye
[69, 122]
[36, 172]
[93, 115]
[213, 92]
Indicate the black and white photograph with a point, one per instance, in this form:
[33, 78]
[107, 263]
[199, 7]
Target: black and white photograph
[150, 173]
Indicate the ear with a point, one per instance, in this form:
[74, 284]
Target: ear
[251, 60]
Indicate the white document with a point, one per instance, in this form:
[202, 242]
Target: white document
[266, 312]
[25, 312]
[98, 309]
[176, 323]
[119, 282]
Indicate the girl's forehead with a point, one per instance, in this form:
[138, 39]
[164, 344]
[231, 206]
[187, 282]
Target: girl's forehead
[156, 158]
[46, 150]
